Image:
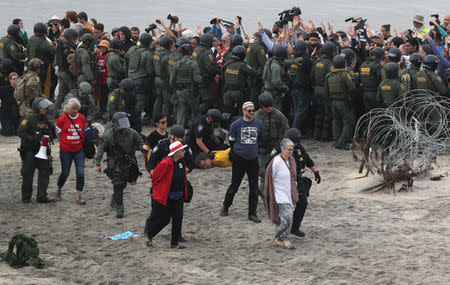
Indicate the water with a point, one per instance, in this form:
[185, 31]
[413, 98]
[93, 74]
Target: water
[140, 13]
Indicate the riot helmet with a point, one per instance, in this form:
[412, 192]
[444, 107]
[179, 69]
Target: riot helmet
[186, 49]
[145, 39]
[239, 52]
[40, 29]
[236, 40]
[115, 44]
[177, 131]
[206, 40]
[214, 114]
[40, 104]
[300, 48]
[378, 53]
[339, 61]
[87, 39]
[70, 34]
[280, 52]
[329, 49]
[13, 30]
[265, 100]
[391, 70]
[127, 85]
[395, 55]
[120, 120]
[165, 42]
[430, 62]
[416, 60]
[350, 58]
[293, 134]
[181, 41]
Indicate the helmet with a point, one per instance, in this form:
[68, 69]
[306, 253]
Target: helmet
[395, 55]
[115, 44]
[127, 85]
[236, 40]
[391, 70]
[214, 114]
[430, 62]
[265, 99]
[34, 64]
[225, 120]
[70, 34]
[349, 55]
[40, 104]
[299, 48]
[416, 60]
[293, 134]
[85, 88]
[186, 49]
[177, 130]
[120, 120]
[13, 30]
[267, 32]
[339, 61]
[145, 39]
[329, 49]
[280, 52]
[239, 52]
[87, 39]
[378, 53]
[40, 28]
[181, 41]
[6, 65]
[206, 40]
[165, 42]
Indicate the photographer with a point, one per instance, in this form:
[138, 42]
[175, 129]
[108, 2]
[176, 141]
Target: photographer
[418, 26]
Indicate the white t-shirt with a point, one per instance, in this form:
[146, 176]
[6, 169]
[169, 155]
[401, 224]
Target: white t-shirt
[281, 180]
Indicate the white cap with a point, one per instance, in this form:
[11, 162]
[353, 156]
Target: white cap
[55, 18]
[188, 34]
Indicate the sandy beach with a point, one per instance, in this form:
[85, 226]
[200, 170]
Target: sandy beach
[352, 237]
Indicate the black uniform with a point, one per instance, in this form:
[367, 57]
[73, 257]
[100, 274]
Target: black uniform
[162, 150]
[200, 129]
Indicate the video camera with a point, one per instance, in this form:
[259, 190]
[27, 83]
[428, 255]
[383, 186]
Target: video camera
[173, 19]
[150, 28]
[360, 27]
[288, 15]
[437, 19]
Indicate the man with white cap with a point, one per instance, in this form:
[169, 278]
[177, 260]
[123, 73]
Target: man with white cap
[244, 136]
[169, 193]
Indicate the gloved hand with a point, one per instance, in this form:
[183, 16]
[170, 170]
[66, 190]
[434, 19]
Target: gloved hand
[211, 155]
[317, 177]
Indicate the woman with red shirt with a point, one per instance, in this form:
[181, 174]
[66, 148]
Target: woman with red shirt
[71, 146]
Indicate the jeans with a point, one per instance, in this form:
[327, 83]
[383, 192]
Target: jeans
[66, 162]
[301, 98]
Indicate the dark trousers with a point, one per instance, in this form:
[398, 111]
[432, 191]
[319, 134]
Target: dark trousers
[104, 91]
[29, 164]
[239, 168]
[304, 184]
[119, 184]
[9, 119]
[66, 163]
[160, 217]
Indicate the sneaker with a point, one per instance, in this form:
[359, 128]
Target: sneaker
[182, 239]
[44, 200]
[254, 218]
[223, 212]
[298, 233]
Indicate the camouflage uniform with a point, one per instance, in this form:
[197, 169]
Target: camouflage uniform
[256, 59]
[323, 113]
[12, 50]
[88, 108]
[31, 88]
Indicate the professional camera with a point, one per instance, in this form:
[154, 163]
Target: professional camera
[287, 16]
[150, 28]
[173, 19]
[437, 19]
[213, 21]
[360, 27]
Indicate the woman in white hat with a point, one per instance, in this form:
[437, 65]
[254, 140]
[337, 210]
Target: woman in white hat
[169, 193]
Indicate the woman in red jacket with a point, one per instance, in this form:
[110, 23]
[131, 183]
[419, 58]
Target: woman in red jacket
[71, 146]
[169, 193]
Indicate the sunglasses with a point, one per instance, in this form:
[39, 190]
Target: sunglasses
[250, 111]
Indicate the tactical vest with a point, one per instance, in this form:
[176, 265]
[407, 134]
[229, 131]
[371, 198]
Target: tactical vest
[158, 58]
[297, 73]
[387, 90]
[271, 129]
[183, 72]
[4, 43]
[320, 70]
[252, 56]
[135, 59]
[112, 71]
[173, 58]
[368, 74]
[92, 60]
[336, 87]
[421, 80]
[199, 56]
[123, 140]
[267, 75]
[32, 47]
[231, 75]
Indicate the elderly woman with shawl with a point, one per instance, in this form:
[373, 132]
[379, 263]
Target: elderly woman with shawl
[281, 193]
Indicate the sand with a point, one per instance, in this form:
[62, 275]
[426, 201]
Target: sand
[352, 237]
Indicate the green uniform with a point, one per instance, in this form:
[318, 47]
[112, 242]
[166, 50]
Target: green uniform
[116, 69]
[120, 146]
[66, 81]
[184, 80]
[256, 59]
[88, 108]
[370, 75]
[323, 112]
[407, 77]
[140, 69]
[31, 90]
[160, 66]
[274, 124]
[388, 91]
[114, 103]
[339, 86]
[208, 70]
[88, 64]
[174, 57]
[275, 76]
[30, 131]
[39, 47]
[236, 77]
[227, 56]
[429, 80]
[12, 50]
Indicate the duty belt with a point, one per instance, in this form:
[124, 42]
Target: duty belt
[183, 85]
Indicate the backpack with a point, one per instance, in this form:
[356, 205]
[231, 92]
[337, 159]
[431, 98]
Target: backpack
[74, 68]
[20, 91]
[27, 252]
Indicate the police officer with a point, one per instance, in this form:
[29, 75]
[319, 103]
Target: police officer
[202, 140]
[302, 160]
[395, 56]
[408, 78]
[140, 68]
[275, 76]
[84, 95]
[30, 89]
[319, 71]
[86, 60]
[391, 88]
[236, 40]
[370, 77]
[160, 65]
[256, 59]
[115, 97]
[427, 78]
[67, 81]
[39, 47]
[115, 65]
[301, 88]
[274, 124]
[339, 86]
[32, 130]
[236, 77]
[11, 46]
[184, 80]
[208, 69]
[120, 143]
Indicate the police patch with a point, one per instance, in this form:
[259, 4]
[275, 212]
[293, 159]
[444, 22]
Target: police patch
[24, 122]
[439, 78]
[248, 49]
[200, 128]
[210, 56]
[194, 54]
[385, 87]
[249, 67]
[263, 52]
[111, 98]
[12, 47]
[155, 149]
[274, 151]
[421, 79]
[1, 45]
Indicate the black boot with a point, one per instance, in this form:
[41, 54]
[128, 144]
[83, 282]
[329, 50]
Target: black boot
[112, 203]
[119, 211]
